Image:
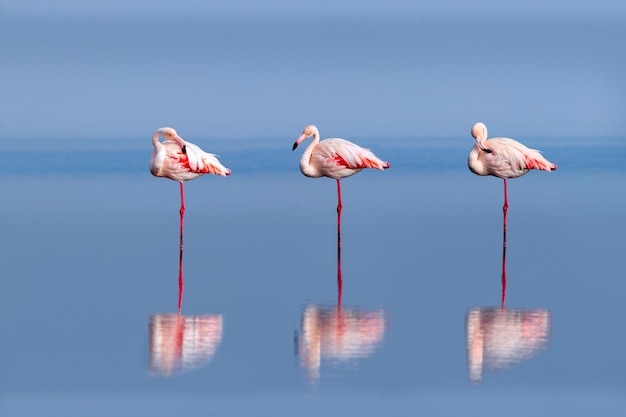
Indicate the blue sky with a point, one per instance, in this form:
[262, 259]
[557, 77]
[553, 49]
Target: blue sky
[356, 69]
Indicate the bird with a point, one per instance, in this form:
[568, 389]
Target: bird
[503, 158]
[181, 161]
[335, 158]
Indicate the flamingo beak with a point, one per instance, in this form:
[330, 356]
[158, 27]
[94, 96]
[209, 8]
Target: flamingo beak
[298, 141]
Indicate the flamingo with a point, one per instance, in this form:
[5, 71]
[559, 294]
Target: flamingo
[181, 161]
[503, 158]
[335, 158]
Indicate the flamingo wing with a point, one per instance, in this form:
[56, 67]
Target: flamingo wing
[524, 157]
[200, 162]
[341, 153]
[507, 153]
[510, 158]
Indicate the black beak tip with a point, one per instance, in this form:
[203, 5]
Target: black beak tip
[295, 145]
[184, 149]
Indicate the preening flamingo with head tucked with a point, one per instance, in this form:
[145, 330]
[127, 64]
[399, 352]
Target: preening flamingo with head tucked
[335, 158]
[181, 161]
[503, 158]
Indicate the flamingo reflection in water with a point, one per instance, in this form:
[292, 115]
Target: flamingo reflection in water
[179, 343]
[181, 161]
[498, 338]
[339, 335]
[503, 158]
[335, 158]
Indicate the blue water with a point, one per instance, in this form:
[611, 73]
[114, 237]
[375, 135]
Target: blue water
[90, 258]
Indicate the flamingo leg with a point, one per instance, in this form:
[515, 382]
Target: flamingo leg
[339, 207]
[505, 209]
[180, 259]
[339, 280]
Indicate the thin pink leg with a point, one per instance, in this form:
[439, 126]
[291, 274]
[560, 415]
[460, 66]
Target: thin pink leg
[180, 259]
[339, 277]
[505, 209]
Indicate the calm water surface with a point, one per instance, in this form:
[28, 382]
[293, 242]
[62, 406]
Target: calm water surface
[90, 261]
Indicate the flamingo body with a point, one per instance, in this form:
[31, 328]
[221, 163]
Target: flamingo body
[334, 158]
[503, 157]
[180, 160]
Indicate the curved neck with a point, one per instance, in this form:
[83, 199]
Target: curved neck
[314, 142]
[155, 140]
[305, 162]
[481, 141]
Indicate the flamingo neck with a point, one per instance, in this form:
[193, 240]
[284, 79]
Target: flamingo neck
[155, 140]
[481, 141]
[314, 142]
[305, 162]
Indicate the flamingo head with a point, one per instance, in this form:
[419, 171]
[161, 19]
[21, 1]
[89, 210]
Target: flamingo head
[479, 132]
[169, 134]
[308, 131]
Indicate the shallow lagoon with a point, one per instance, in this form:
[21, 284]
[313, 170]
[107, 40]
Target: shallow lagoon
[90, 256]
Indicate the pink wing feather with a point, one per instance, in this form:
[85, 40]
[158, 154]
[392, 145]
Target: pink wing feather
[340, 153]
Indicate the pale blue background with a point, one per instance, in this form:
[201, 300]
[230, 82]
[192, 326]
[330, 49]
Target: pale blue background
[257, 70]
[530, 8]
[89, 239]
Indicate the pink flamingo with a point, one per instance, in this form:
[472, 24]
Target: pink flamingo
[503, 158]
[181, 161]
[335, 158]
